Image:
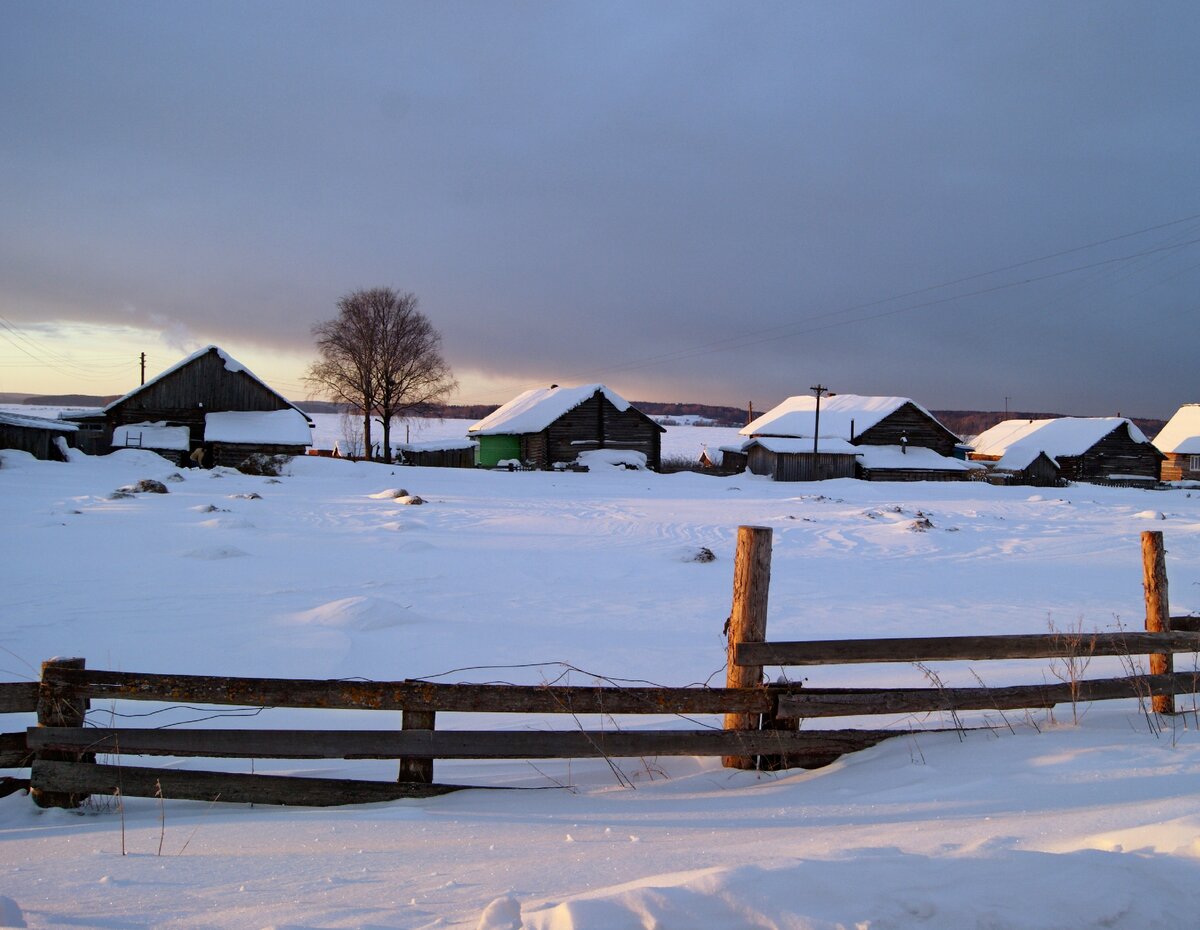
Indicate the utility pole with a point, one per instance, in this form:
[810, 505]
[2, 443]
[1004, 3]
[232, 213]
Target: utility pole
[818, 389]
[1006, 399]
[143, 368]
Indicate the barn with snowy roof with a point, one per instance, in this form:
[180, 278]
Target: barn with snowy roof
[208, 401]
[852, 436]
[548, 427]
[1179, 442]
[40, 437]
[1105, 450]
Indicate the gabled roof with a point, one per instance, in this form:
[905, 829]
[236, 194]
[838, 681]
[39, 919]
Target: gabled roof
[796, 416]
[536, 409]
[231, 365]
[1069, 436]
[1181, 435]
[1021, 456]
[266, 427]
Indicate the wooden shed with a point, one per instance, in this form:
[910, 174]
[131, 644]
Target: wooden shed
[1179, 442]
[874, 438]
[438, 453]
[202, 393]
[794, 459]
[43, 439]
[551, 426]
[1102, 450]
[1026, 466]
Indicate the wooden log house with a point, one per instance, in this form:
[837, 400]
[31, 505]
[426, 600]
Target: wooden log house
[1179, 442]
[225, 409]
[548, 427]
[1102, 450]
[873, 438]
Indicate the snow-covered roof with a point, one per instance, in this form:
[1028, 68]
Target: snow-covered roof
[1068, 436]
[915, 457]
[1020, 457]
[80, 413]
[781, 444]
[536, 409]
[1181, 435]
[796, 416]
[258, 427]
[20, 419]
[231, 364]
[435, 445]
[152, 436]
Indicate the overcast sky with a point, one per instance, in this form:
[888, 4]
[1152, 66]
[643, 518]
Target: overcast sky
[715, 202]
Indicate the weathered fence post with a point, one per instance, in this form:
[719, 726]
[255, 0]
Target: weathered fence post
[1158, 610]
[747, 623]
[413, 768]
[60, 706]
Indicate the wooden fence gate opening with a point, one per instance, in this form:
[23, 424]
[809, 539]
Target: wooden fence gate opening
[761, 722]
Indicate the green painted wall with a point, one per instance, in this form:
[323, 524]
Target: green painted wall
[495, 449]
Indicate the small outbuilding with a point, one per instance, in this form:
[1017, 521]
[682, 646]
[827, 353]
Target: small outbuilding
[873, 438]
[1179, 442]
[211, 402]
[548, 427]
[437, 453]
[1102, 450]
[43, 439]
[1026, 465]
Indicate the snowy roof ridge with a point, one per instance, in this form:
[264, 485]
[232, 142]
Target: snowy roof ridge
[1181, 435]
[231, 364]
[28, 422]
[795, 416]
[535, 409]
[1055, 436]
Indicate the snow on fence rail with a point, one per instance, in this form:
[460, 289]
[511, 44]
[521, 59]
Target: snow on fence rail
[761, 728]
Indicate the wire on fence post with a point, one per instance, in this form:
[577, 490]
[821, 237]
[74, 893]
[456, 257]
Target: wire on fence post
[747, 624]
[1158, 610]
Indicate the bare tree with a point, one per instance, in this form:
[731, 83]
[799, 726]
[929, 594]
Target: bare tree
[382, 355]
[411, 370]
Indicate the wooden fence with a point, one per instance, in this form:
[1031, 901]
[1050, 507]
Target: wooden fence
[761, 725]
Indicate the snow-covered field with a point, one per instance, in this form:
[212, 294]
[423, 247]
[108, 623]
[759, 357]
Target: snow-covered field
[534, 577]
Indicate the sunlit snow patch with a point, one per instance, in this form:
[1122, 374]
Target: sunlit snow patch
[355, 613]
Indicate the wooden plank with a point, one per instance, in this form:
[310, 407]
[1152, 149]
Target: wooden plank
[18, 697]
[183, 785]
[445, 744]
[833, 702]
[14, 754]
[410, 695]
[963, 648]
[1185, 624]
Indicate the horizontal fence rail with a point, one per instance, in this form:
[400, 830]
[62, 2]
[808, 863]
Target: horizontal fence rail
[83, 779]
[447, 744]
[852, 702]
[963, 648]
[407, 695]
[18, 697]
